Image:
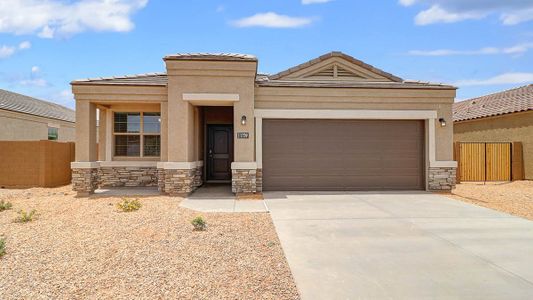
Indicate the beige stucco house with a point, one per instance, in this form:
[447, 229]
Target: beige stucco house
[500, 117]
[23, 118]
[332, 123]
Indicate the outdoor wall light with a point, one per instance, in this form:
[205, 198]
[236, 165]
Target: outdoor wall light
[243, 120]
[442, 122]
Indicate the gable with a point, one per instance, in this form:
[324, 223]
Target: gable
[336, 66]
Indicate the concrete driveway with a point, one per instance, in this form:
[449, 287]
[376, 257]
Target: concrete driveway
[410, 245]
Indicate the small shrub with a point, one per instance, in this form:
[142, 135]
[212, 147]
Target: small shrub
[2, 246]
[129, 205]
[25, 217]
[199, 223]
[4, 205]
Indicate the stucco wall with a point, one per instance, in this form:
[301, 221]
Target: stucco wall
[227, 77]
[35, 163]
[517, 127]
[24, 127]
[362, 98]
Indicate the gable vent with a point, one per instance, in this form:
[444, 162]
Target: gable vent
[334, 72]
[343, 73]
[330, 72]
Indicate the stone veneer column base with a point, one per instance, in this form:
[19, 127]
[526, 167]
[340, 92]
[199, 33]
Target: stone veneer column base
[244, 181]
[161, 180]
[180, 182]
[441, 178]
[84, 181]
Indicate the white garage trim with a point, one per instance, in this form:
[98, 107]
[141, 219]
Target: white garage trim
[345, 114]
[429, 115]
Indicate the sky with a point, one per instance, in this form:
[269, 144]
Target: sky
[481, 46]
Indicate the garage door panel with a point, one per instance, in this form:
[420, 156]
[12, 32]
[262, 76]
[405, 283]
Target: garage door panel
[343, 155]
[321, 183]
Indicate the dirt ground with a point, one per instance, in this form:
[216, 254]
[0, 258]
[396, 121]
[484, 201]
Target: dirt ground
[515, 198]
[85, 248]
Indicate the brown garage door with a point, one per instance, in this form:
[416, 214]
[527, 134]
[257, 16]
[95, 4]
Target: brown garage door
[343, 155]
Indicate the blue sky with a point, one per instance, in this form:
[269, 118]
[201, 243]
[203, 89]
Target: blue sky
[482, 46]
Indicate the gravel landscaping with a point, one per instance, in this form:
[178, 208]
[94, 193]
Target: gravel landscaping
[85, 248]
[515, 198]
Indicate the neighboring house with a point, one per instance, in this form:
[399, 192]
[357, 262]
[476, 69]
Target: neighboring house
[501, 117]
[333, 123]
[24, 118]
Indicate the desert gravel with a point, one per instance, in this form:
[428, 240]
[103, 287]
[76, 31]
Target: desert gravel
[84, 248]
[515, 198]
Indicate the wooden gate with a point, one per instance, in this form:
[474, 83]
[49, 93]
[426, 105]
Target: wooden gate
[484, 161]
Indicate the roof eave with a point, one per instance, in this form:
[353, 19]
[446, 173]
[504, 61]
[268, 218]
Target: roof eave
[493, 115]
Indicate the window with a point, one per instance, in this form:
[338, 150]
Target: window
[137, 134]
[53, 134]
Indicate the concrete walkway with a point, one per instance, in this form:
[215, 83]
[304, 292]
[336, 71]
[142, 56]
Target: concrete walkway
[402, 246]
[219, 198]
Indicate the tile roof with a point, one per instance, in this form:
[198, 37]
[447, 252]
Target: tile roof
[28, 105]
[156, 79]
[211, 56]
[509, 101]
[160, 79]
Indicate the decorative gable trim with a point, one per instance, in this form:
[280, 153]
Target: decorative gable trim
[347, 64]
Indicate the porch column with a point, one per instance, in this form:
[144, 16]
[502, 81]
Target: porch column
[84, 169]
[180, 170]
[164, 148]
[102, 133]
[246, 177]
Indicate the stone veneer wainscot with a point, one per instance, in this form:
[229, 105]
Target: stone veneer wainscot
[442, 178]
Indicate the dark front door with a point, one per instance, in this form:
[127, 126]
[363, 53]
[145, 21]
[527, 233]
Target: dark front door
[219, 152]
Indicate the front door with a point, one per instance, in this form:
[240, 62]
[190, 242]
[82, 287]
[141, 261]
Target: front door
[219, 152]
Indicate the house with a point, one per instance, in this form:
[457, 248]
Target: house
[332, 123]
[501, 117]
[24, 118]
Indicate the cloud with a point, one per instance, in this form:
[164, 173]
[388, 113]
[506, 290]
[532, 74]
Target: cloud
[272, 20]
[7, 51]
[35, 69]
[514, 50]
[51, 18]
[306, 2]
[506, 78]
[35, 82]
[24, 45]
[511, 12]
[436, 14]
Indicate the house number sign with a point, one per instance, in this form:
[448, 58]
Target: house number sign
[243, 135]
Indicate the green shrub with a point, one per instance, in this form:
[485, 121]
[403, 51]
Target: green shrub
[4, 205]
[199, 223]
[129, 205]
[2, 246]
[25, 217]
